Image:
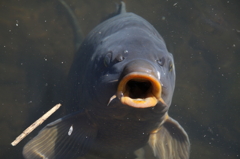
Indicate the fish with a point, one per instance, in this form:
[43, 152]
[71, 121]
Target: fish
[120, 88]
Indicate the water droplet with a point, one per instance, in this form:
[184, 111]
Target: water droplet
[70, 130]
[175, 4]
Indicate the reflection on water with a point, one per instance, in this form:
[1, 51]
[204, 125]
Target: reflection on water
[36, 51]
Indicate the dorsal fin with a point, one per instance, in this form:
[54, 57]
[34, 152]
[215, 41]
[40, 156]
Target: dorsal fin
[121, 8]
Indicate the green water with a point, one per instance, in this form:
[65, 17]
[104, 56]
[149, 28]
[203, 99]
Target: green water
[36, 50]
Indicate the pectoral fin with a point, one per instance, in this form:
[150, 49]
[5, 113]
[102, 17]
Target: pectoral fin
[170, 141]
[67, 137]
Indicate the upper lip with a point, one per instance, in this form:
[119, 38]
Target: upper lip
[139, 90]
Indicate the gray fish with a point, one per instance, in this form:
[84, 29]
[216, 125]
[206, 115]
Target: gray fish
[121, 85]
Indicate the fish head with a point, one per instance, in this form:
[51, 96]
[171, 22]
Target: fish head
[134, 66]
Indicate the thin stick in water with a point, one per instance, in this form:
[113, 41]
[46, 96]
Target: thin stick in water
[35, 124]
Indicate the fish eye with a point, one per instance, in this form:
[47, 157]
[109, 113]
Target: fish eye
[161, 61]
[170, 67]
[107, 59]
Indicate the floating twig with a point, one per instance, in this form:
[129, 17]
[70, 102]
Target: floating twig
[34, 125]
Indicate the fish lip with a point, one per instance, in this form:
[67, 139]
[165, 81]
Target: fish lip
[151, 96]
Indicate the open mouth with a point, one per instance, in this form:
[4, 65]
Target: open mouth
[139, 90]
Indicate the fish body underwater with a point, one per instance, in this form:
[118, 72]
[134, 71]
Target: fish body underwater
[121, 85]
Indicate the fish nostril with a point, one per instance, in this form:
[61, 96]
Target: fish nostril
[161, 61]
[120, 58]
[138, 89]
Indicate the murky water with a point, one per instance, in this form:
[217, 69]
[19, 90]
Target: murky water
[36, 50]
